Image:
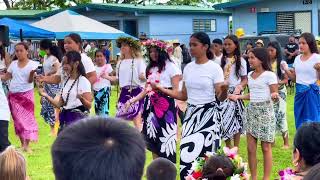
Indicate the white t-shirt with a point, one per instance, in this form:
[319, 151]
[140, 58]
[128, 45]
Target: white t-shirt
[234, 80]
[87, 49]
[81, 86]
[305, 73]
[4, 107]
[165, 76]
[259, 88]
[200, 80]
[20, 76]
[87, 63]
[125, 69]
[217, 59]
[48, 63]
[102, 82]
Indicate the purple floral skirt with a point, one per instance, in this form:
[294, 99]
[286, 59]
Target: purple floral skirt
[69, 116]
[160, 125]
[125, 95]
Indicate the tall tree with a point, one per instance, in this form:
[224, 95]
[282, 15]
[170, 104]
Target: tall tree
[49, 4]
[42, 4]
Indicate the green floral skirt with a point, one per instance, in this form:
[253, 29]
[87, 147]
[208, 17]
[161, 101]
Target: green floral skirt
[260, 121]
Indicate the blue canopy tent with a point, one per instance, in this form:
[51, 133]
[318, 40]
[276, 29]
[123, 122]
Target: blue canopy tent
[28, 31]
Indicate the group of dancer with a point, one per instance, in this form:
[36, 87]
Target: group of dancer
[213, 88]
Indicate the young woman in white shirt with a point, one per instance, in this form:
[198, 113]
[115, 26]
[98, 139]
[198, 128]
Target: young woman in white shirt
[75, 96]
[102, 87]
[203, 82]
[235, 73]
[131, 74]
[51, 64]
[4, 120]
[21, 96]
[280, 107]
[72, 42]
[307, 98]
[159, 114]
[4, 64]
[260, 117]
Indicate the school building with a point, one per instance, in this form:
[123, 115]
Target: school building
[283, 16]
[155, 21]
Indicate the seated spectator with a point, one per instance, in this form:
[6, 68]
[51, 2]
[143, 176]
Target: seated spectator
[161, 169]
[12, 165]
[314, 173]
[306, 152]
[99, 149]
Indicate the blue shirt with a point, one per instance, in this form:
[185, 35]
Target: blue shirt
[107, 54]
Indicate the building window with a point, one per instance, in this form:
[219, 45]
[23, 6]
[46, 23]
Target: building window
[204, 25]
[114, 24]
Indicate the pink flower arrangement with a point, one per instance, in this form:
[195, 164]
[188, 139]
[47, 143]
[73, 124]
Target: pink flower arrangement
[286, 174]
[240, 171]
[156, 43]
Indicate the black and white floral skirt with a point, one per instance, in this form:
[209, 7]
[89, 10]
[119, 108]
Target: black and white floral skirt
[201, 133]
[232, 113]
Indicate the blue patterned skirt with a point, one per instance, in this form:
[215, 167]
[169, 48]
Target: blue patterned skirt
[102, 101]
[47, 109]
[306, 104]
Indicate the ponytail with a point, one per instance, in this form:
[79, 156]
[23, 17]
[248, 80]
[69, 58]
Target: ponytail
[209, 54]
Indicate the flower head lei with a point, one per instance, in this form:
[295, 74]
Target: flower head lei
[286, 174]
[240, 168]
[135, 44]
[153, 43]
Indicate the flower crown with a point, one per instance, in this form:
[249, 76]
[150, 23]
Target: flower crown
[240, 171]
[135, 44]
[154, 43]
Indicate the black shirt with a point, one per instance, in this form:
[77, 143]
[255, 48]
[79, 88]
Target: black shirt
[291, 47]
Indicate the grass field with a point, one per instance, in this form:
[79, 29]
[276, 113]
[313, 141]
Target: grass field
[39, 161]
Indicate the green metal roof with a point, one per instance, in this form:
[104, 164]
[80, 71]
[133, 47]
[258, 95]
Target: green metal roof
[152, 8]
[147, 9]
[20, 13]
[234, 4]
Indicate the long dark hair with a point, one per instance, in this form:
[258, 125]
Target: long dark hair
[275, 45]
[160, 63]
[76, 38]
[263, 55]
[56, 52]
[45, 44]
[311, 41]
[2, 52]
[205, 40]
[236, 54]
[74, 56]
[307, 142]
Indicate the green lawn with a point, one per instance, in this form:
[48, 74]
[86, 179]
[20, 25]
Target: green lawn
[39, 162]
